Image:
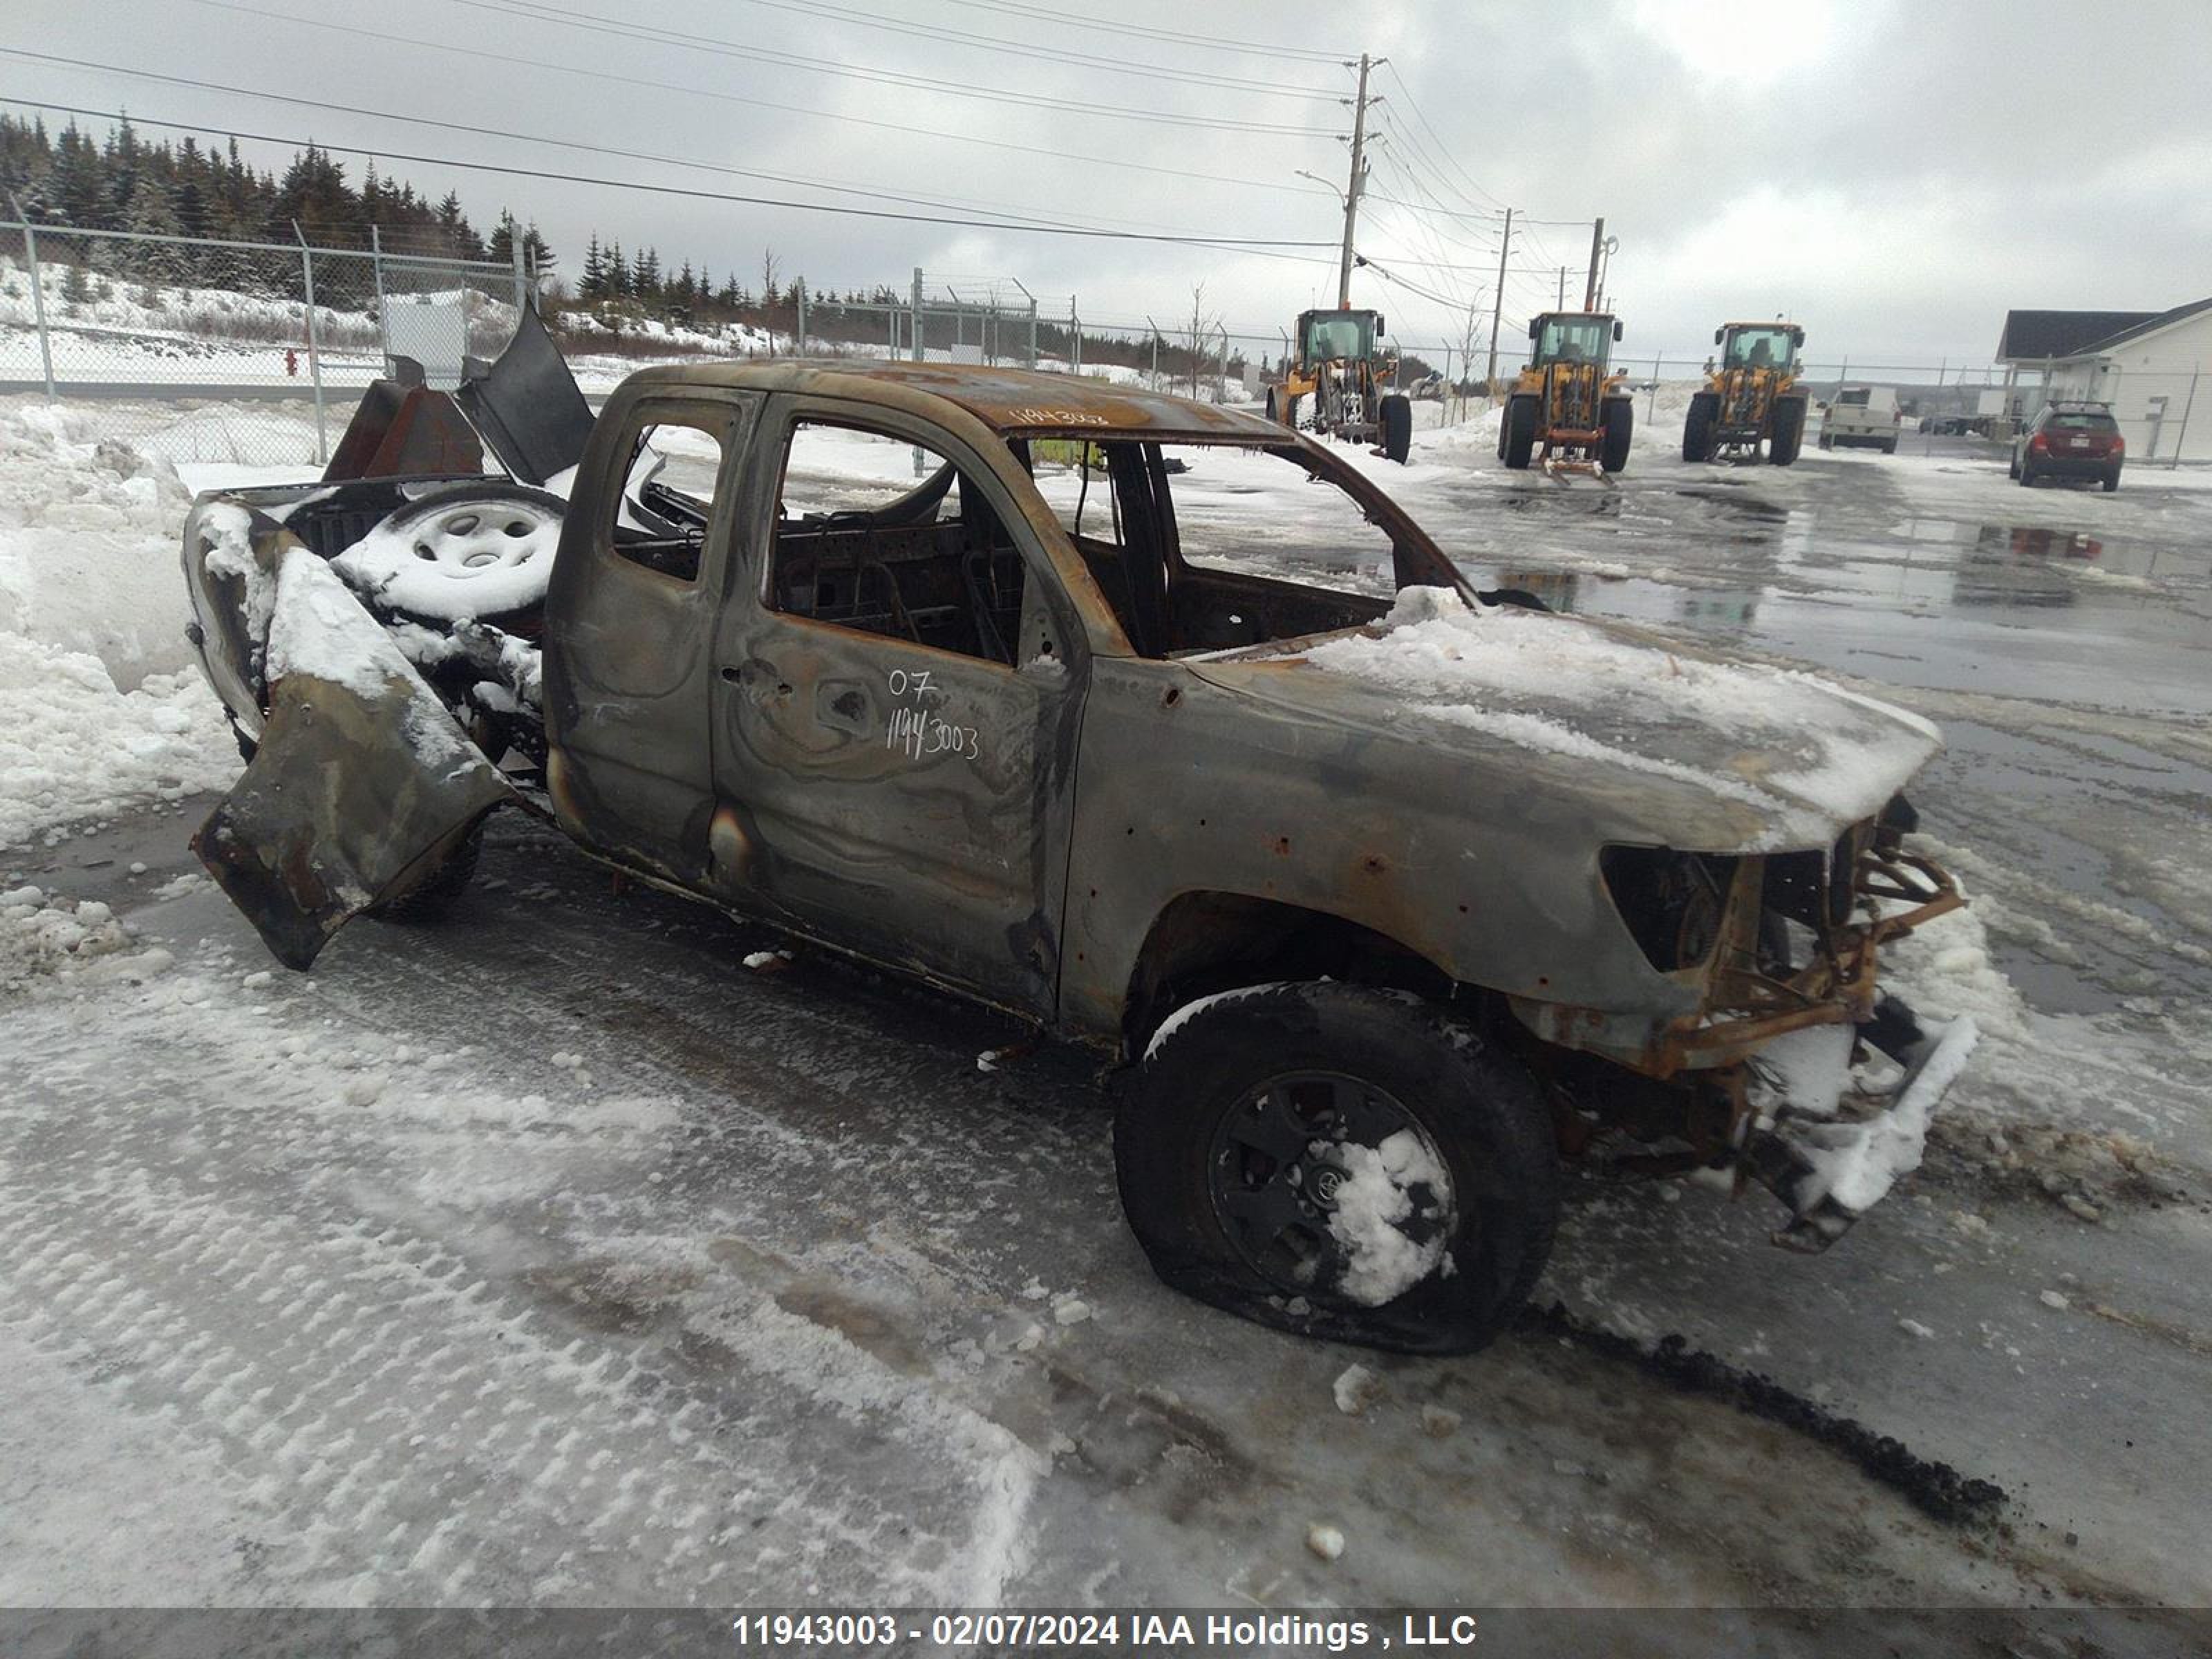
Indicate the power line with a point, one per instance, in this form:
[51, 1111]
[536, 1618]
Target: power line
[1442, 149]
[902, 197]
[1426, 217]
[647, 32]
[781, 108]
[1427, 233]
[1209, 42]
[1259, 248]
[1049, 54]
[1411, 288]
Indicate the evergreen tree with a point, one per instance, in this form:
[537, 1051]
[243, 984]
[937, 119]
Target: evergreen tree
[150, 212]
[537, 250]
[592, 285]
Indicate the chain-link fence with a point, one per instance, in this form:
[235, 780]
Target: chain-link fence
[937, 319]
[257, 352]
[249, 352]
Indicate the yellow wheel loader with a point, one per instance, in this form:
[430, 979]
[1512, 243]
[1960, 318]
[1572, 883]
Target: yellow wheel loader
[1339, 386]
[1568, 410]
[1752, 397]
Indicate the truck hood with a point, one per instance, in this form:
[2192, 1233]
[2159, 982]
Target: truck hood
[1662, 740]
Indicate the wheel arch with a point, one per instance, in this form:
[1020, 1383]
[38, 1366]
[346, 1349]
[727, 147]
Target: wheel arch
[1210, 940]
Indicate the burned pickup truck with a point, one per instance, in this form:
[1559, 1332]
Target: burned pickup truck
[1154, 724]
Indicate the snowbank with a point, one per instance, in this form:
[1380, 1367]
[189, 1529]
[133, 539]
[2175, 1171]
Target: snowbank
[43, 937]
[89, 531]
[73, 747]
[91, 603]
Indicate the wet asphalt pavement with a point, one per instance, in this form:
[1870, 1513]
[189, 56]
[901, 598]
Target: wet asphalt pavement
[553, 1255]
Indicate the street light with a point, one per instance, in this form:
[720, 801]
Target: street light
[1318, 179]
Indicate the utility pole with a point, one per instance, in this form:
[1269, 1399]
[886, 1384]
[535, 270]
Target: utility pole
[1562, 288]
[1498, 308]
[1597, 250]
[1356, 183]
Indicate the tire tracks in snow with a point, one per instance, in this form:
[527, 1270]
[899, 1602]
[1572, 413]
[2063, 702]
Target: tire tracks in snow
[419, 1426]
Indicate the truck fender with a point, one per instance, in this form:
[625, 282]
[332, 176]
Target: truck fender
[362, 785]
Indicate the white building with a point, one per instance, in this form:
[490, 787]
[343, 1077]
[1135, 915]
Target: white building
[2146, 364]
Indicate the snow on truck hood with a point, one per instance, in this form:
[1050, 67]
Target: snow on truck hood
[1791, 759]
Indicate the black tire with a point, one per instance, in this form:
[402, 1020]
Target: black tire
[1519, 431]
[1890, 448]
[1397, 414]
[2027, 474]
[1176, 1132]
[2111, 481]
[2012, 465]
[1827, 438]
[440, 891]
[1620, 427]
[1275, 406]
[1697, 427]
[1787, 437]
[1290, 413]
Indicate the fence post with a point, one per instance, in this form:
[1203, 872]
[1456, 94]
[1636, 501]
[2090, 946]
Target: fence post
[1031, 298]
[314, 344]
[1221, 381]
[376, 274]
[38, 294]
[521, 292]
[913, 323]
[1651, 401]
[1074, 335]
[799, 345]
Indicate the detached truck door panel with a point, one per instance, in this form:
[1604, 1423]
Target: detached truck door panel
[897, 705]
[646, 555]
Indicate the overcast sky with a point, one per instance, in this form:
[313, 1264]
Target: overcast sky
[1892, 175]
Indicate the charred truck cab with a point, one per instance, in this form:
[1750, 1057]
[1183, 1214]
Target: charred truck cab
[830, 645]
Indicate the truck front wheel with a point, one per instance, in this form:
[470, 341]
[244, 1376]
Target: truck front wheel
[1788, 435]
[1397, 423]
[1620, 427]
[1697, 427]
[1518, 432]
[1341, 1162]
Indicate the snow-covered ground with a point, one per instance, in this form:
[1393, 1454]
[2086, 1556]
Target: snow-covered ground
[592, 1251]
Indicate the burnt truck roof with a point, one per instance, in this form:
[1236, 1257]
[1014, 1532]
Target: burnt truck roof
[1014, 402]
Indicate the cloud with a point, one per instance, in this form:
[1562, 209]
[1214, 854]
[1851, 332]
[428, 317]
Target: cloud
[1894, 176]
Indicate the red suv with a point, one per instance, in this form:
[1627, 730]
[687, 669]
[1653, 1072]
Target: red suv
[2070, 440]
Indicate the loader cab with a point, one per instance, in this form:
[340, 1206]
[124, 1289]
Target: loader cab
[1760, 345]
[1338, 335]
[1572, 337]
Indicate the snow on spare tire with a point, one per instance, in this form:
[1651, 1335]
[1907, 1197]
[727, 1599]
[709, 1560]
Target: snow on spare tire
[459, 554]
